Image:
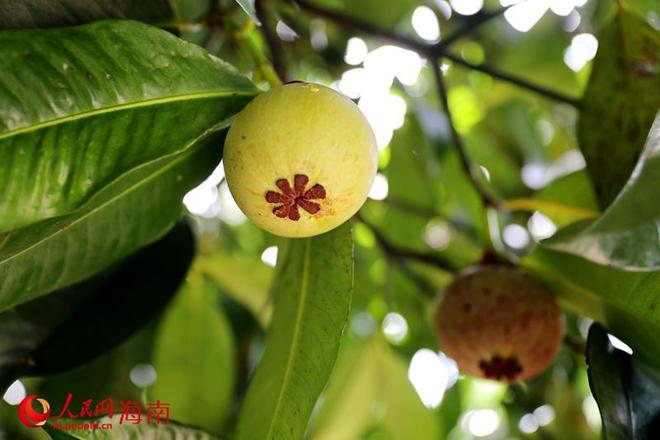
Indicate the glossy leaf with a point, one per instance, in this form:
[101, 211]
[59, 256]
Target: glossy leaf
[367, 378]
[129, 431]
[627, 302]
[194, 356]
[131, 212]
[245, 279]
[627, 391]
[312, 293]
[92, 317]
[627, 235]
[50, 13]
[83, 106]
[620, 102]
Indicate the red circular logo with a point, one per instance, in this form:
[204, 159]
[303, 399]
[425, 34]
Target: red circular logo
[29, 416]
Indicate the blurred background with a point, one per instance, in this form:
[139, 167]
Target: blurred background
[391, 380]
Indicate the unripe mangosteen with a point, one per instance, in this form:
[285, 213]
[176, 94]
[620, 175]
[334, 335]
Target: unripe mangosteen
[300, 159]
[498, 323]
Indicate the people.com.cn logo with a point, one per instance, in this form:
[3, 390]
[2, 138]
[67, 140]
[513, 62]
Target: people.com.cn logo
[31, 417]
[89, 412]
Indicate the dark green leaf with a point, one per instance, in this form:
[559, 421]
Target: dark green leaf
[50, 13]
[191, 10]
[131, 212]
[194, 357]
[129, 431]
[627, 302]
[83, 106]
[104, 376]
[620, 102]
[627, 391]
[608, 379]
[627, 235]
[374, 12]
[312, 292]
[92, 317]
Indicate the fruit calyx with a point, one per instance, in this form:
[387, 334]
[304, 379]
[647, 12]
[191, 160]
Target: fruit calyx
[292, 198]
[499, 367]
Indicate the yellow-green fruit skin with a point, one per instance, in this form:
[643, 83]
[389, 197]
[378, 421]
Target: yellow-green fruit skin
[300, 129]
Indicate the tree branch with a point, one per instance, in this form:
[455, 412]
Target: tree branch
[520, 82]
[276, 55]
[471, 172]
[435, 51]
[364, 26]
[392, 250]
[476, 22]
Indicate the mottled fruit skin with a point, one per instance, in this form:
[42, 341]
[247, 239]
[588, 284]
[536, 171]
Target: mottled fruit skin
[499, 323]
[300, 159]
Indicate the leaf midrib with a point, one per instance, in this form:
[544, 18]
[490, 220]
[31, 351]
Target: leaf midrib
[304, 287]
[174, 161]
[121, 107]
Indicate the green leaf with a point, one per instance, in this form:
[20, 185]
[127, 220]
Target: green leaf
[628, 303]
[50, 13]
[312, 292]
[128, 431]
[133, 211]
[627, 235]
[92, 317]
[566, 200]
[370, 392]
[620, 102]
[194, 357]
[627, 391]
[83, 106]
[105, 376]
[419, 194]
[411, 173]
[248, 7]
[245, 279]
[373, 12]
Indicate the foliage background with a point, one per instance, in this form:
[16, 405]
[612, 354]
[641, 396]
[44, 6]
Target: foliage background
[105, 127]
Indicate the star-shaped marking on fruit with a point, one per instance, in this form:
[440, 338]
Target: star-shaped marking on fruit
[291, 198]
[499, 368]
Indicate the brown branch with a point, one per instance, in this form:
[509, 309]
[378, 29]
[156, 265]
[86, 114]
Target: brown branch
[475, 22]
[364, 26]
[276, 55]
[435, 51]
[470, 171]
[393, 250]
[513, 79]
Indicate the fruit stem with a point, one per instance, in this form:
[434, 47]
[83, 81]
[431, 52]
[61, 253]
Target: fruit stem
[277, 74]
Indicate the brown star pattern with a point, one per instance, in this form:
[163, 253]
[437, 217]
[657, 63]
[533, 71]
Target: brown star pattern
[291, 198]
